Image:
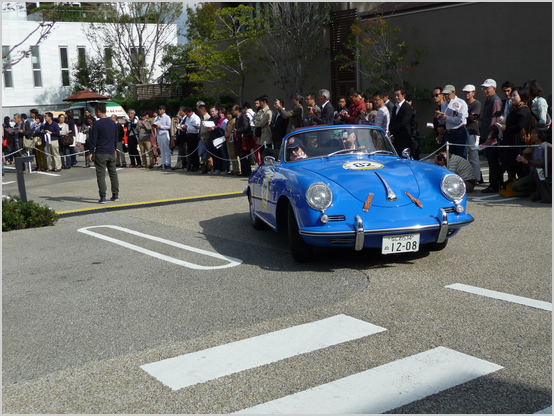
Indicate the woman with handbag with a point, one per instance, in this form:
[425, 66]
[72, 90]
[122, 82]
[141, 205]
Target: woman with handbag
[66, 139]
[85, 129]
[38, 137]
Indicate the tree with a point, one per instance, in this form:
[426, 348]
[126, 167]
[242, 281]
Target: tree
[292, 42]
[176, 64]
[380, 55]
[91, 74]
[136, 33]
[226, 67]
[49, 18]
[201, 22]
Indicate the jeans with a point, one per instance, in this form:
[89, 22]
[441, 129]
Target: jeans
[473, 154]
[163, 143]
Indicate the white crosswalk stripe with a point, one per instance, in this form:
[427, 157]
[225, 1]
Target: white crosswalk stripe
[199, 367]
[502, 296]
[384, 388]
[373, 391]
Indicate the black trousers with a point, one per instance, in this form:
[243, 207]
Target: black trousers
[495, 174]
[192, 140]
[132, 144]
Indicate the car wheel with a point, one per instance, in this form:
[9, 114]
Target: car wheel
[437, 246]
[300, 250]
[257, 223]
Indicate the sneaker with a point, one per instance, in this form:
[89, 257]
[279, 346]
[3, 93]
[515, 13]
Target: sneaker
[114, 198]
[102, 200]
[217, 172]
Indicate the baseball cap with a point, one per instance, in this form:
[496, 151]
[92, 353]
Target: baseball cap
[469, 88]
[161, 107]
[448, 89]
[489, 83]
[293, 143]
[200, 103]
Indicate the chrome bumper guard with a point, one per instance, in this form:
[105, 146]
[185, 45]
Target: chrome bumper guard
[359, 233]
[443, 226]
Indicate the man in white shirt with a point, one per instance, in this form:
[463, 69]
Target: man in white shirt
[163, 124]
[453, 116]
[192, 128]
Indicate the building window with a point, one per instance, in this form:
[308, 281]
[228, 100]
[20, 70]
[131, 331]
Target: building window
[64, 65]
[6, 64]
[35, 59]
[81, 55]
[109, 65]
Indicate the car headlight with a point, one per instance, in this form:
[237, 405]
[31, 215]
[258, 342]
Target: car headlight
[453, 187]
[319, 196]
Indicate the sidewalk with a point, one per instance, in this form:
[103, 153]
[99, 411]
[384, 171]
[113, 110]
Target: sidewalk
[76, 188]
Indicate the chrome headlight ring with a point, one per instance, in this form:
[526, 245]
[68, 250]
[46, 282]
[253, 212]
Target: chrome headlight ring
[319, 196]
[453, 187]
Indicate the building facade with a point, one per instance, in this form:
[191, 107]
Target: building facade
[43, 79]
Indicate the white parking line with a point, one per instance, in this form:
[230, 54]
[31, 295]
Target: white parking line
[384, 388]
[7, 183]
[231, 261]
[502, 296]
[201, 366]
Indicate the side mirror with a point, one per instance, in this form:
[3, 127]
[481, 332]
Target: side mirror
[269, 160]
[407, 153]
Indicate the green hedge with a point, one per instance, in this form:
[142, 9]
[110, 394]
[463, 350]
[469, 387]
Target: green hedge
[17, 214]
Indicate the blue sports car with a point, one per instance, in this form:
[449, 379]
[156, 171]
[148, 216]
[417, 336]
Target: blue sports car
[345, 186]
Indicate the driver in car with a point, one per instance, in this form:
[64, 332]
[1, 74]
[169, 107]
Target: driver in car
[295, 149]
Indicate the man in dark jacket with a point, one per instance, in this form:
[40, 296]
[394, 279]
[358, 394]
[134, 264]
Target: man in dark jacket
[400, 122]
[296, 115]
[103, 142]
[278, 127]
[327, 110]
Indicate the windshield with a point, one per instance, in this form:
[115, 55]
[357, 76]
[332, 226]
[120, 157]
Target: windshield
[336, 141]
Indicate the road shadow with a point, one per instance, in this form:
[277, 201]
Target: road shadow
[275, 245]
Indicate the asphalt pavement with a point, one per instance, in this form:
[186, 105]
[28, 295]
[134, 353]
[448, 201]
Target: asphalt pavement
[94, 304]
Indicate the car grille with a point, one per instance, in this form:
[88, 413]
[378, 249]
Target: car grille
[337, 218]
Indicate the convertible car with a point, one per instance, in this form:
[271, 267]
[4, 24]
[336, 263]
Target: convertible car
[345, 186]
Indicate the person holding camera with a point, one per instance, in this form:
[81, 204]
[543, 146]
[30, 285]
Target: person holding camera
[460, 166]
[474, 112]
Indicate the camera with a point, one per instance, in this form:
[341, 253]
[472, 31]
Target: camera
[441, 158]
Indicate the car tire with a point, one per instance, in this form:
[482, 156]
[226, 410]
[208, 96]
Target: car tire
[437, 246]
[257, 223]
[300, 250]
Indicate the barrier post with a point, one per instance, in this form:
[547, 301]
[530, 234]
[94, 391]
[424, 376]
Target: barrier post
[19, 166]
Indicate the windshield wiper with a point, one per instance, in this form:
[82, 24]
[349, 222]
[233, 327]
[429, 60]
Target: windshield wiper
[340, 151]
[387, 152]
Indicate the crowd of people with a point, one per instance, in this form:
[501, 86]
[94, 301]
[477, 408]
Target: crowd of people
[217, 140]
[509, 130]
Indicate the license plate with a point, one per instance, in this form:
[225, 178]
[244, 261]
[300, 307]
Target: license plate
[405, 243]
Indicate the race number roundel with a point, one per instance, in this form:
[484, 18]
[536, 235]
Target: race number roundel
[362, 165]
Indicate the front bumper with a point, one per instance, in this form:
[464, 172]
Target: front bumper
[438, 230]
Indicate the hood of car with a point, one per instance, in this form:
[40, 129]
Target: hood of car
[379, 176]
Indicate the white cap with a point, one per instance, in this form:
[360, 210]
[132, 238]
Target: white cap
[489, 83]
[469, 88]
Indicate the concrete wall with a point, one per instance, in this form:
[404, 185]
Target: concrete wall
[466, 44]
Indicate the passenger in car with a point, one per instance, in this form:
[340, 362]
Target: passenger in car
[295, 149]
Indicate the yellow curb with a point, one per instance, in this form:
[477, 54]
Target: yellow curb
[147, 202]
